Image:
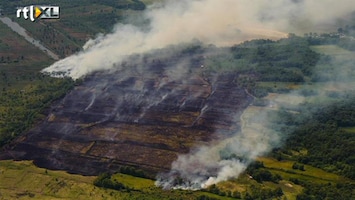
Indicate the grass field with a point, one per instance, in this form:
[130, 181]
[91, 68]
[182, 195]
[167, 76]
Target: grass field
[24, 92]
[20, 61]
[349, 129]
[79, 21]
[338, 67]
[16, 52]
[244, 184]
[23, 180]
[284, 168]
[332, 50]
[310, 173]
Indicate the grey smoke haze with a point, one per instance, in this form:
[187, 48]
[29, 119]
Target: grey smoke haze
[220, 160]
[228, 158]
[222, 22]
[218, 22]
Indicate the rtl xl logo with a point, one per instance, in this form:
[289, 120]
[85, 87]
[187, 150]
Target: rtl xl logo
[42, 12]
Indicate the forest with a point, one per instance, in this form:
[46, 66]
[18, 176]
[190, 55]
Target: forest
[326, 132]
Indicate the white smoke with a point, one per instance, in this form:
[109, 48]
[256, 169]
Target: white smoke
[222, 160]
[222, 22]
[218, 22]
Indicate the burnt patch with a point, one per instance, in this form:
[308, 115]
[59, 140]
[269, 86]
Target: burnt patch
[135, 119]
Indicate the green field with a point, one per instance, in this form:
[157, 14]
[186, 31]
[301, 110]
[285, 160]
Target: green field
[23, 180]
[349, 129]
[79, 21]
[16, 53]
[310, 173]
[24, 92]
[333, 50]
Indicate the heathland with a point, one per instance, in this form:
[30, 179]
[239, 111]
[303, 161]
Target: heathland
[315, 160]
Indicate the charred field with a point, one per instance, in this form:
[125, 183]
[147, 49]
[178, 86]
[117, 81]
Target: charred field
[141, 115]
[144, 114]
[161, 99]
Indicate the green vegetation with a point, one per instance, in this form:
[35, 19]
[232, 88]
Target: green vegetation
[21, 107]
[319, 135]
[133, 171]
[343, 38]
[256, 170]
[257, 193]
[24, 92]
[16, 53]
[104, 180]
[316, 162]
[23, 180]
[285, 60]
[285, 169]
[320, 130]
[326, 191]
[79, 20]
[263, 63]
[317, 183]
[298, 166]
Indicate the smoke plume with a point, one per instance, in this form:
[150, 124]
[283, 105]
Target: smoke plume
[222, 23]
[220, 161]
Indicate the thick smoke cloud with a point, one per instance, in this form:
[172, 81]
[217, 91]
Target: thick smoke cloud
[222, 22]
[221, 160]
[218, 22]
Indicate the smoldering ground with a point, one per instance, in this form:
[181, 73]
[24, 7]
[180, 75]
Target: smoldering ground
[221, 23]
[332, 81]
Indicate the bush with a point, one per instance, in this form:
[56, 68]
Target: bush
[204, 197]
[133, 171]
[104, 180]
[298, 166]
[262, 175]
